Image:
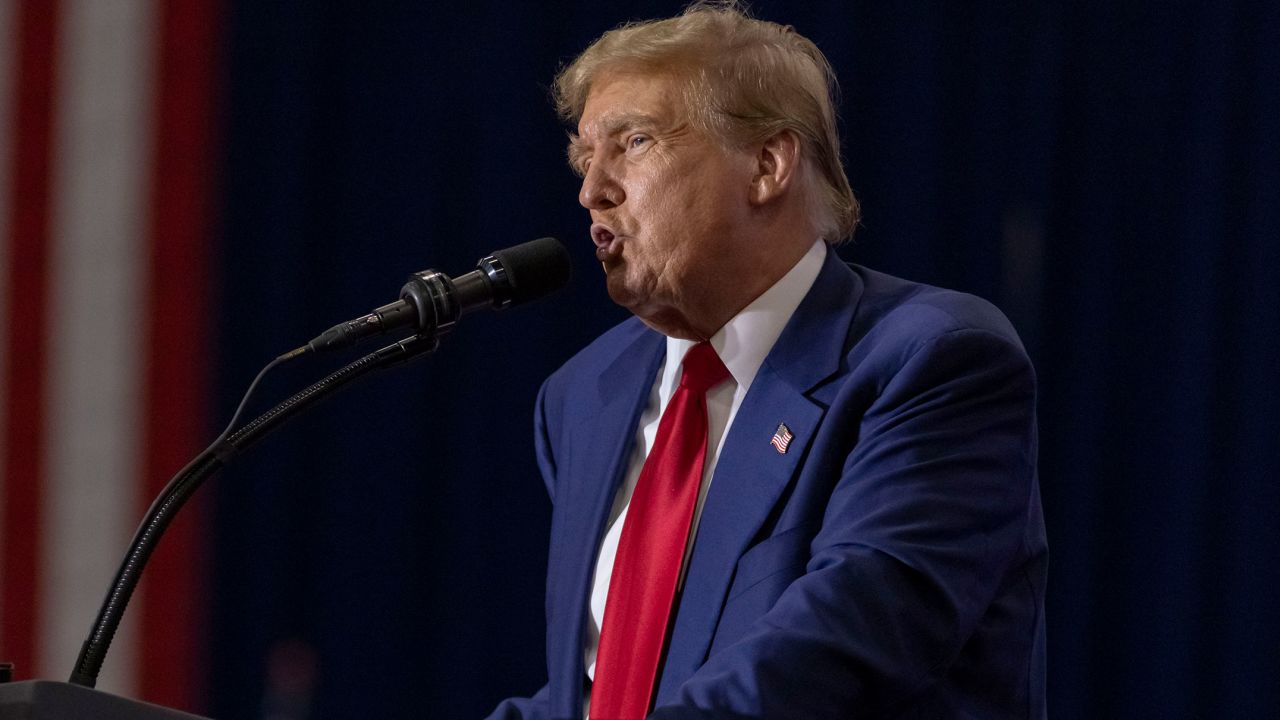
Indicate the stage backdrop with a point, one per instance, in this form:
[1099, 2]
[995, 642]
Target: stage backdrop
[188, 189]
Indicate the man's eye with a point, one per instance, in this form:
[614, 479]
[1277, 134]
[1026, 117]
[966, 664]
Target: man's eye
[637, 141]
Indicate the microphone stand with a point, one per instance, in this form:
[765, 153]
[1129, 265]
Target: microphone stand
[186, 482]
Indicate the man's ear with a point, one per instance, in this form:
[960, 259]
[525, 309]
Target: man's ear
[777, 167]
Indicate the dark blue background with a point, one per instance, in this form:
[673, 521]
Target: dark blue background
[1105, 172]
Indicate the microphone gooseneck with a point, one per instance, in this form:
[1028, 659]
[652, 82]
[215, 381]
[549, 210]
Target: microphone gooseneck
[181, 487]
[431, 302]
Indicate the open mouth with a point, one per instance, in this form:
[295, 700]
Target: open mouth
[608, 243]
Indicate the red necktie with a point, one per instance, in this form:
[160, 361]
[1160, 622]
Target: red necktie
[651, 549]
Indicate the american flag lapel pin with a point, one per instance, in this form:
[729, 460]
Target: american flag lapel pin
[782, 438]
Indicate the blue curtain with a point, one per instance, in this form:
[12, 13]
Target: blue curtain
[1105, 172]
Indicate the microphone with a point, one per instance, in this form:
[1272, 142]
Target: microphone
[431, 302]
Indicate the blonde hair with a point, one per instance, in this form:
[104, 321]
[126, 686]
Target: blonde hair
[745, 80]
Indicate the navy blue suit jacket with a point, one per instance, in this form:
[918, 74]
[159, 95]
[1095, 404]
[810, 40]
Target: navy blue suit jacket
[890, 565]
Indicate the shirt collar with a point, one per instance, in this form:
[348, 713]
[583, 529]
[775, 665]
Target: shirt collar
[745, 341]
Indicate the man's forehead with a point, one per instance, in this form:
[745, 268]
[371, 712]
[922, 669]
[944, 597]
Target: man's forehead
[619, 100]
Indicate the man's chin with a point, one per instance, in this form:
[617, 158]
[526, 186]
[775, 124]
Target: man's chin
[622, 292]
[637, 300]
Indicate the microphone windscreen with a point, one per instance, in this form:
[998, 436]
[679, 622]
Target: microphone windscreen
[536, 268]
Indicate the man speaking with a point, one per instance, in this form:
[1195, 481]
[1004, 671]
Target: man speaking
[788, 487]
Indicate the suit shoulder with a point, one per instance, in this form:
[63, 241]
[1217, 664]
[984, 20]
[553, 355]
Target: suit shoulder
[898, 309]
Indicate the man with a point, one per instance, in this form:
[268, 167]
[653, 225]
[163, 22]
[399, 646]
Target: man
[789, 487]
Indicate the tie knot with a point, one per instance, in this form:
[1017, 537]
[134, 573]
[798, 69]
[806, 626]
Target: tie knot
[702, 368]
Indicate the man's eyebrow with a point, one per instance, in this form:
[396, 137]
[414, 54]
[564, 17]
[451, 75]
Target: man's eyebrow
[613, 124]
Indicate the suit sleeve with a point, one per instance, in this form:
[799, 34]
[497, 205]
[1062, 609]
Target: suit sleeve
[535, 707]
[927, 513]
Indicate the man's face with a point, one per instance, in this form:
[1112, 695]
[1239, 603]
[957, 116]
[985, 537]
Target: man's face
[667, 202]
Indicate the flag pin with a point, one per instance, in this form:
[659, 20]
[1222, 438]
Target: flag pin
[781, 438]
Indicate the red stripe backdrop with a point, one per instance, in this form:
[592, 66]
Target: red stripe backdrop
[183, 178]
[35, 29]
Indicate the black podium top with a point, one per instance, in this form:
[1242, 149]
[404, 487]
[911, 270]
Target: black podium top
[49, 700]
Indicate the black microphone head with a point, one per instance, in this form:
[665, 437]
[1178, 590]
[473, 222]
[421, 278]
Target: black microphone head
[533, 269]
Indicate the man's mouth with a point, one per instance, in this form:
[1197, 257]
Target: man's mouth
[608, 243]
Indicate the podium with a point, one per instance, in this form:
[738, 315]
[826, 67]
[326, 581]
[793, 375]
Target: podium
[50, 700]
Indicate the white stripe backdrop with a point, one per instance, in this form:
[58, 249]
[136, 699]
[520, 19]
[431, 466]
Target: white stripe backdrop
[98, 295]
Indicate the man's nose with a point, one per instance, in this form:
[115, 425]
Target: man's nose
[600, 189]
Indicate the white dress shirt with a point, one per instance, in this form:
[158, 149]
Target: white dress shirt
[742, 344]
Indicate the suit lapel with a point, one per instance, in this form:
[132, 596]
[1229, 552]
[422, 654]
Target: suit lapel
[603, 441]
[751, 475]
